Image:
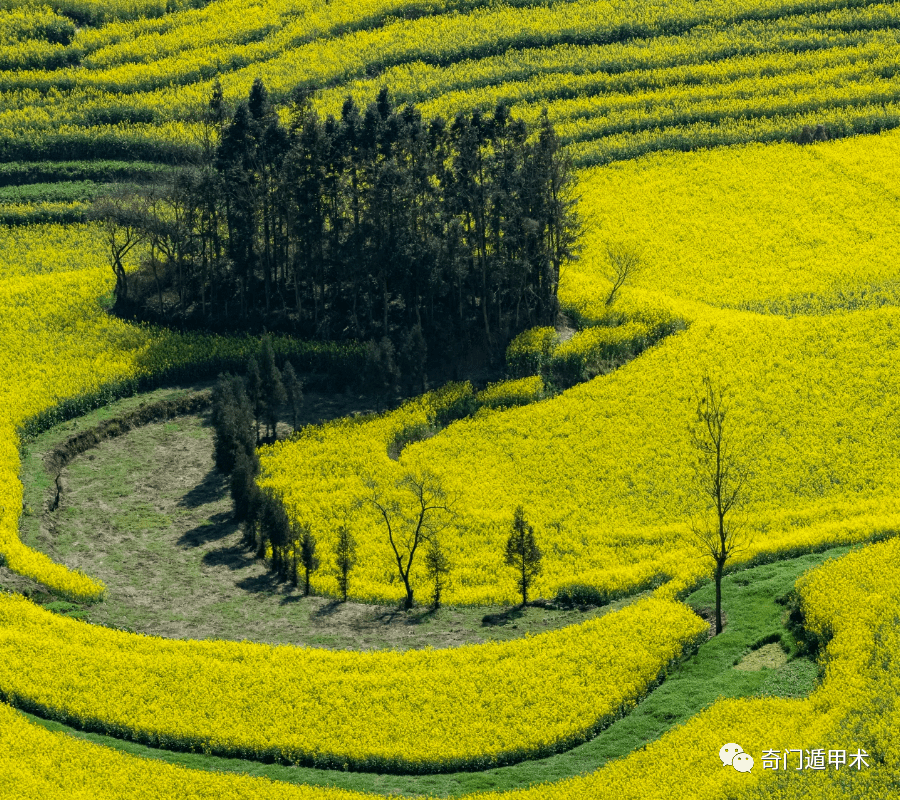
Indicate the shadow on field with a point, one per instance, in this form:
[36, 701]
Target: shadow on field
[234, 557]
[218, 527]
[209, 490]
[328, 610]
[268, 582]
[415, 617]
[502, 617]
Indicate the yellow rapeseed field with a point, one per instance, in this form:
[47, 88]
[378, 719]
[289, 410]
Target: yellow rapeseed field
[855, 708]
[778, 259]
[430, 710]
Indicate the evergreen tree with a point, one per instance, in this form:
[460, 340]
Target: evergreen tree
[244, 422]
[308, 557]
[255, 392]
[224, 424]
[294, 389]
[272, 389]
[279, 533]
[245, 493]
[414, 356]
[523, 554]
[345, 558]
[437, 565]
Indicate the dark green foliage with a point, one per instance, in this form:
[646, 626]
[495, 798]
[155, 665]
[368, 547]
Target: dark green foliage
[232, 423]
[222, 418]
[580, 594]
[275, 530]
[382, 373]
[273, 391]
[437, 566]
[245, 494]
[255, 392]
[523, 553]
[414, 358]
[809, 134]
[345, 559]
[306, 543]
[294, 390]
[378, 225]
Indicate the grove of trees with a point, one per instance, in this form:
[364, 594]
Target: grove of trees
[435, 234]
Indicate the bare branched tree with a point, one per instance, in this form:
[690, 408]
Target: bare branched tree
[624, 264]
[124, 218]
[720, 482]
[413, 514]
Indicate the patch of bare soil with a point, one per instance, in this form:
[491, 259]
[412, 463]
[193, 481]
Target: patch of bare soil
[149, 515]
[769, 655]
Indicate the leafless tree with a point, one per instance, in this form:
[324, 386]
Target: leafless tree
[720, 482]
[414, 513]
[123, 216]
[624, 264]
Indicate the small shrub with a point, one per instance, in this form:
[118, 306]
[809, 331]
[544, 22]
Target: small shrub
[580, 594]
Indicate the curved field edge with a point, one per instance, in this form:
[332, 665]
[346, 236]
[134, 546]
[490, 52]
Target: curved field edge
[754, 615]
[134, 127]
[475, 706]
[806, 432]
[831, 598]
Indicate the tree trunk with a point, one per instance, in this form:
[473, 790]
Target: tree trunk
[720, 565]
[408, 602]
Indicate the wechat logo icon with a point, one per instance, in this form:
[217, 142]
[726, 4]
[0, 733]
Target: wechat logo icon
[733, 755]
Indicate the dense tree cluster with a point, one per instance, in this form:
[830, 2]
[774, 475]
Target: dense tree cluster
[378, 224]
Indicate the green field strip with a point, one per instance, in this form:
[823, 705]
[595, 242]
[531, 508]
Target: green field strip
[752, 617]
[89, 12]
[637, 62]
[59, 191]
[21, 173]
[808, 80]
[438, 39]
[840, 121]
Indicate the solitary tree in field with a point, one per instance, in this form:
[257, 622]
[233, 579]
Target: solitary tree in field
[624, 265]
[345, 559]
[413, 514]
[293, 387]
[523, 554]
[437, 565]
[720, 483]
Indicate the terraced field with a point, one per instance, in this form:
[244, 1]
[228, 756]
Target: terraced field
[777, 259]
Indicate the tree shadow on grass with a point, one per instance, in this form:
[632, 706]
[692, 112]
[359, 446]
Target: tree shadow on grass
[328, 610]
[502, 617]
[267, 582]
[393, 616]
[234, 557]
[222, 525]
[211, 489]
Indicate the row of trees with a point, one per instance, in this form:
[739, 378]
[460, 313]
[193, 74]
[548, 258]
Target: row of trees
[415, 523]
[239, 403]
[362, 227]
